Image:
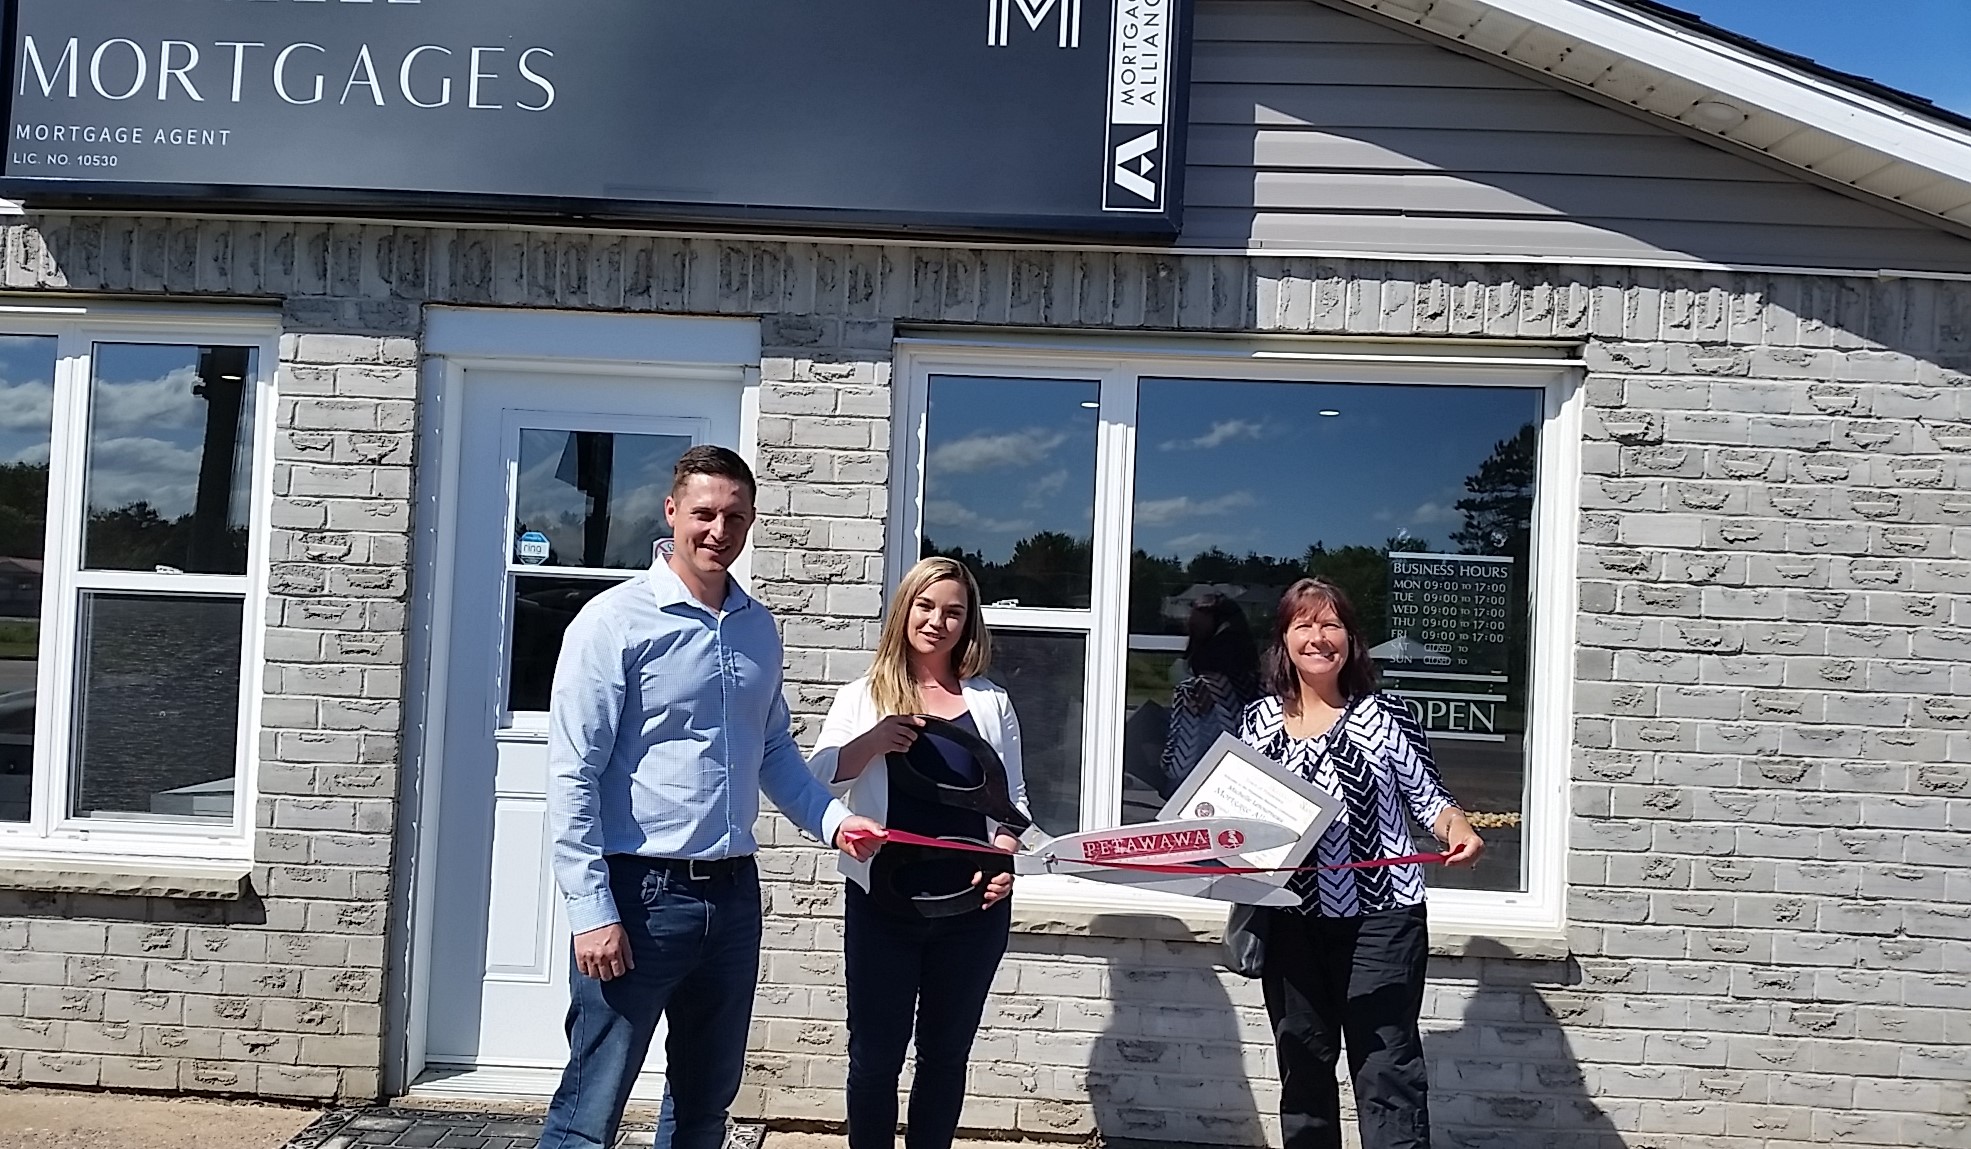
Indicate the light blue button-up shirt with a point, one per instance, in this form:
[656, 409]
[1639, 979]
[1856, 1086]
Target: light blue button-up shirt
[666, 723]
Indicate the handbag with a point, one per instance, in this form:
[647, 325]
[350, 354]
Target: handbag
[1246, 928]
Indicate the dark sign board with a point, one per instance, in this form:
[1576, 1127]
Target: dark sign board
[1014, 116]
[1448, 616]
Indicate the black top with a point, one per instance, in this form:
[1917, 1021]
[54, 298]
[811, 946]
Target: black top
[955, 766]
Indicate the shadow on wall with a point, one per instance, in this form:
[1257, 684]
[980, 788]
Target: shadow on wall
[1163, 1046]
[1142, 1035]
[146, 914]
[1506, 1075]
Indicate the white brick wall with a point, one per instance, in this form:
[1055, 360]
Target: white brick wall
[1772, 778]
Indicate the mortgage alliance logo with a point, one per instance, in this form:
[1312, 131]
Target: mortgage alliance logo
[1066, 13]
[1139, 73]
[1135, 160]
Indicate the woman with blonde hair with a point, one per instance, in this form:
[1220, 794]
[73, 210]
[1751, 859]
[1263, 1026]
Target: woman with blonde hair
[902, 966]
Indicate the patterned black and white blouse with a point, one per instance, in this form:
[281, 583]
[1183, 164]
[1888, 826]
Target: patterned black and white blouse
[1376, 760]
[1202, 707]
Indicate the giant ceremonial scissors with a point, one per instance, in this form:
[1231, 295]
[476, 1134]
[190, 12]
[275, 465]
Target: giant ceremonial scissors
[1192, 848]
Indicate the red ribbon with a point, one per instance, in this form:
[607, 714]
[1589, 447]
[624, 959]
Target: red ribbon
[1194, 869]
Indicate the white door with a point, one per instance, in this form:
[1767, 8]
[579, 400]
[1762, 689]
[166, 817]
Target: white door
[559, 495]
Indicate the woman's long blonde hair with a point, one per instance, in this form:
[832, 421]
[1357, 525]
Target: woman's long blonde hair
[890, 683]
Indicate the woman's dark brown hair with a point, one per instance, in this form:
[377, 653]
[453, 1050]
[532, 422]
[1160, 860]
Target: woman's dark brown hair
[1219, 641]
[1304, 598]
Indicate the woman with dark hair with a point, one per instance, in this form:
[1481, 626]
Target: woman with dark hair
[1346, 967]
[1222, 665]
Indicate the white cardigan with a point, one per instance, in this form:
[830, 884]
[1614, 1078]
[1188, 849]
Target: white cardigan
[854, 712]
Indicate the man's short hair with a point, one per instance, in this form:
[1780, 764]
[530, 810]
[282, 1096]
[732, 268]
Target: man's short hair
[706, 459]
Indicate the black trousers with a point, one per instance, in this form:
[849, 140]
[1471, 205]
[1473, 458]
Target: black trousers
[1355, 982]
[905, 975]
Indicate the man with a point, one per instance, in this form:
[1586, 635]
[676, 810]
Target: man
[666, 723]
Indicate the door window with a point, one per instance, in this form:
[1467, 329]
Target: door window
[587, 511]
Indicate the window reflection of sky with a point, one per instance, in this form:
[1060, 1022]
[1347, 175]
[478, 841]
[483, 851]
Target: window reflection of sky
[640, 477]
[147, 431]
[1006, 459]
[27, 397]
[1257, 467]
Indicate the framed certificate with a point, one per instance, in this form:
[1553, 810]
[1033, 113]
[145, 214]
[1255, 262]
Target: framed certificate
[1233, 780]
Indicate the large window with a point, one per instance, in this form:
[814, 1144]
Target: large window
[1133, 523]
[133, 458]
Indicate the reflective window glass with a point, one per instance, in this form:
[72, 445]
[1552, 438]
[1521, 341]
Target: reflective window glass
[1042, 673]
[169, 472]
[542, 609]
[27, 403]
[592, 498]
[1417, 501]
[157, 709]
[1009, 485]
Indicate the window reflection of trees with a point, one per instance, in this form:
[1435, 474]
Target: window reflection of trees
[1497, 513]
[1498, 519]
[1041, 565]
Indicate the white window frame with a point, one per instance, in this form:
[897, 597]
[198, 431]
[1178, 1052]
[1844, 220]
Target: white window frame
[51, 834]
[1117, 366]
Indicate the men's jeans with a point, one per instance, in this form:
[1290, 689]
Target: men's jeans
[901, 970]
[1357, 982]
[696, 945]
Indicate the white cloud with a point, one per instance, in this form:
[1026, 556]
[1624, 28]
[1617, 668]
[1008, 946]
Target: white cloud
[1430, 513]
[1220, 434]
[1046, 486]
[947, 513]
[1205, 540]
[27, 406]
[1024, 448]
[131, 470]
[1162, 512]
[1433, 514]
[148, 405]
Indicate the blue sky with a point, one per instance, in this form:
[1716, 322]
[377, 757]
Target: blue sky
[1919, 46]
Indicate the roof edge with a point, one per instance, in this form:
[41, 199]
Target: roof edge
[1903, 133]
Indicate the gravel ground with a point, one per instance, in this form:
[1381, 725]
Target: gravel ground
[33, 1119]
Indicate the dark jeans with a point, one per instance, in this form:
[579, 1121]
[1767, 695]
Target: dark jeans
[696, 945]
[1357, 982]
[937, 970]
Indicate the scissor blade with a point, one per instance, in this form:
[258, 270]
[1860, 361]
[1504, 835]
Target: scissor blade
[1222, 888]
[1159, 843]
